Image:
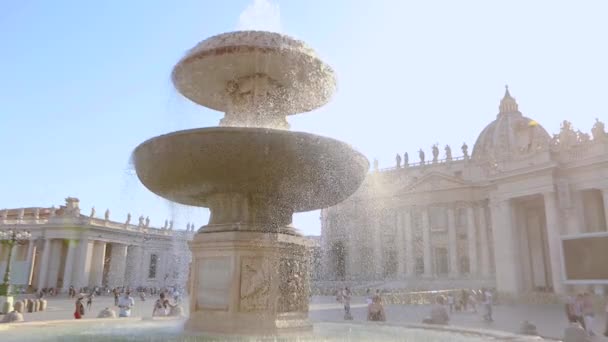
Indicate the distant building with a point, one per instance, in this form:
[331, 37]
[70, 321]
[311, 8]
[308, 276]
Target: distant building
[71, 249]
[498, 215]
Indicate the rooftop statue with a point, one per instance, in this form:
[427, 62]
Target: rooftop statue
[435, 153]
[406, 159]
[582, 137]
[92, 213]
[421, 155]
[147, 222]
[107, 215]
[398, 160]
[128, 219]
[567, 136]
[598, 131]
[166, 224]
[465, 150]
[141, 221]
[448, 153]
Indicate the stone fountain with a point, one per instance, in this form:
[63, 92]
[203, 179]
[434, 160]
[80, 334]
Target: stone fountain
[250, 267]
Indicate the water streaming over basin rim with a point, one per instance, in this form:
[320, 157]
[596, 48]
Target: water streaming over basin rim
[136, 330]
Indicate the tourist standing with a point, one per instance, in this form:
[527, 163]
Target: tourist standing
[161, 306]
[465, 300]
[116, 295]
[570, 309]
[346, 295]
[578, 310]
[487, 304]
[375, 311]
[473, 301]
[451, 302]
[125, 303]
[79, 309]
[588, 313]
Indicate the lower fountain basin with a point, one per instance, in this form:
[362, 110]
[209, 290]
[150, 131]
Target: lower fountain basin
[136, 330]
[298, 171]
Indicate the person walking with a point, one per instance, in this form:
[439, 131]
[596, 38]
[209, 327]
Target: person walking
[79, 309]
[90, 300]
[368, 297]
[451, 302]
[125, 303]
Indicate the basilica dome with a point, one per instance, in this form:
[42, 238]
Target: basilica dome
[510, 135]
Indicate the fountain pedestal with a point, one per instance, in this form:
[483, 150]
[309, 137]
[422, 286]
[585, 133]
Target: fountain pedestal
[249, 282]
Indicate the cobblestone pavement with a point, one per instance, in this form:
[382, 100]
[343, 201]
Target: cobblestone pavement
[549, 319]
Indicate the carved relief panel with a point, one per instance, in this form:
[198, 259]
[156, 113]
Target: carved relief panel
[293, 287]
[255, 284]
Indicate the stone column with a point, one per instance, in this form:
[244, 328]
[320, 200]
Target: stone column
[484, 243]
[69, 265]
[553, 240]
[134, 267]
[44, 264]
[97, 261]
[472, 241]
[400, 245]
[118, 262]
[605, 200]
[426, 242]
[452, 243]
[505, 247]
[82, 264]
[410, 259]
[29, 258]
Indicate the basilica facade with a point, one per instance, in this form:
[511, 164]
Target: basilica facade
[497, 216]
[68, 248]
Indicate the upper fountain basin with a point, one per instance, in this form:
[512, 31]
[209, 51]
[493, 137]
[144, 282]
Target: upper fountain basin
[296, 170]
[207, 73]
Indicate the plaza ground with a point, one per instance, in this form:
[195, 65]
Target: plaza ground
[548, 318]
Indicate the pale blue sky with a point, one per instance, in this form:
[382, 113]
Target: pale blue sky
[83, 83]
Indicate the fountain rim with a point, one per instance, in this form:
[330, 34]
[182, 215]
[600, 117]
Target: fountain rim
[247, 129]
[360, 158]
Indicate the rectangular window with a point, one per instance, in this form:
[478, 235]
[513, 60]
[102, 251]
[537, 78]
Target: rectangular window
[153, 264]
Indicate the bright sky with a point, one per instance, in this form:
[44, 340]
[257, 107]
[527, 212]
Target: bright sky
[83, 83]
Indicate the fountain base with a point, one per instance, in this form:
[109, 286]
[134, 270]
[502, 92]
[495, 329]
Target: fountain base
[249, 282]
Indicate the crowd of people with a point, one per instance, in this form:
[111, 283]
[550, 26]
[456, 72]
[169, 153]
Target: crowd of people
[460, 301]
[124, 301]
